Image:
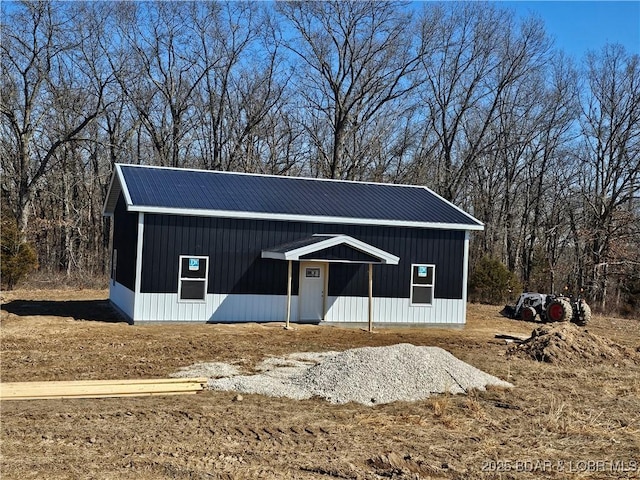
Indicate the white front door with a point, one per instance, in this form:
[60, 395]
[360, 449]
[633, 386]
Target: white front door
[311, 295]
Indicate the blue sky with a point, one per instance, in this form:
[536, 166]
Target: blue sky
[577, 26]
[581, 26]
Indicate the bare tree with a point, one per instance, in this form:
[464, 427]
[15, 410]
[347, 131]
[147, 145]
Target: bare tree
[476, 52]
[159, 71]
[353, 59]
[239, 87]
[550, 174]
[610, 160]
[42, 70]
[534, 118]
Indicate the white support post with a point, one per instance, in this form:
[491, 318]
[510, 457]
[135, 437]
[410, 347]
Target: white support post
[289, 275]
[371, 297]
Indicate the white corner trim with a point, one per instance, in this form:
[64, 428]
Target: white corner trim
[465, 274]
[138, 281]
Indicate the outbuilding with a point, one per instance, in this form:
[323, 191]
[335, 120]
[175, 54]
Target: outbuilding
[208, 246]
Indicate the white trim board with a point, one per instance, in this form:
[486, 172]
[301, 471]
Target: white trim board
[139, 249]
[302, 218]
[333, 240]
[465, 271]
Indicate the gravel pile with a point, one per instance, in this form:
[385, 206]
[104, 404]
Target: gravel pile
[277, 378]
[369, 375]
[207, 369]
[401, 372]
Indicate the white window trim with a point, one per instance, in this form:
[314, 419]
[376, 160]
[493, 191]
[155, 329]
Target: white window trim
[432, 285]
[181, 278]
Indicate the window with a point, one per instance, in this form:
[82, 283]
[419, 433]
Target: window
[192, 283]
[312, 272]
[422, 284]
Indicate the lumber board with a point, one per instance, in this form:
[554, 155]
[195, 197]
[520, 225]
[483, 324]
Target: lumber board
[119, 395]
[114, 382]
[21, 390]
[100, 388]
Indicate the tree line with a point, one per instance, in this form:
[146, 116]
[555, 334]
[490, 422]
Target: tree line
[465, 98]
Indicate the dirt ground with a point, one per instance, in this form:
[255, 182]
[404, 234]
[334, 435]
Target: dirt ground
[580, 420]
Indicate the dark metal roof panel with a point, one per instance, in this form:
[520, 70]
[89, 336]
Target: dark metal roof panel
[209, 190]
[342, 253]
[287, 247]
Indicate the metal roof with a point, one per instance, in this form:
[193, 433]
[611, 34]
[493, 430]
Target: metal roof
[278, 250]
[318, 242]
[240, 195]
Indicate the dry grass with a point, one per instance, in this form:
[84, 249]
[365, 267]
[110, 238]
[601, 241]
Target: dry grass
[44, 280]
[556, 416]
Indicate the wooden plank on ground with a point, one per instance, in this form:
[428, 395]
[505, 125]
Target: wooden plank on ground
[111, 395]
[71, 390]
[100, 388]
[114, 382]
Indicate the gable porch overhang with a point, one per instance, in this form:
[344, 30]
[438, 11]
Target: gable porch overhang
[331, 248]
